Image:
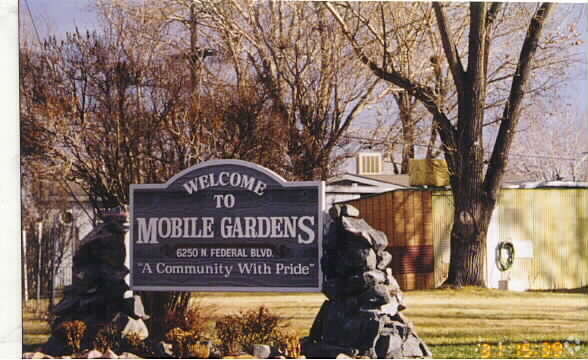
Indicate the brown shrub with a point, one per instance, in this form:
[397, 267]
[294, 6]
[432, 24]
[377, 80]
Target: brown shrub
[195, 319]
[72, 332]
[186, 344]
[241, 331]
[108, 338]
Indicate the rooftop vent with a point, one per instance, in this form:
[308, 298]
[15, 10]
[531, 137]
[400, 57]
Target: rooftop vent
[369, 163]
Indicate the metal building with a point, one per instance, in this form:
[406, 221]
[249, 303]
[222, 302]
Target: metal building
[546, 223]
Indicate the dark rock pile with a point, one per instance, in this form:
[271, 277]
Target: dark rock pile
[97, 293]
[362, 314]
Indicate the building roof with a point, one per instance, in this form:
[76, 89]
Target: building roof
[398, 181]
[544, 184]
[402, 180]
[359, 184]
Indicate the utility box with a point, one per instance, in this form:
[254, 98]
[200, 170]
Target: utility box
[369, 163]
[428, 172]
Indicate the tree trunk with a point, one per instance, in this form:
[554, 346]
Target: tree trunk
[474, 193]
[468, 241]
[159, 304]
[405, 107]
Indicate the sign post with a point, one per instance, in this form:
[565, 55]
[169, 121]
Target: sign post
[226, 225]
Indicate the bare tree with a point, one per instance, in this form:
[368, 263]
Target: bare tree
[294, 52]
[555, 154]
[115, 114]
[238, 121]
[474, 186]
[404, 28]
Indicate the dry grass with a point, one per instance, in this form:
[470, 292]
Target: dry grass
[454, 322]
[446, 316]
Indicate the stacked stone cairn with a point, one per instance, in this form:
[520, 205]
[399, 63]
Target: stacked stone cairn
[361, 317]
[97, 294]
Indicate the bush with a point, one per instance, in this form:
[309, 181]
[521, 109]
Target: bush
[288, 344]
[187, 344]
[195, 319]
[72, 333]
[245, 329]
[108, 338]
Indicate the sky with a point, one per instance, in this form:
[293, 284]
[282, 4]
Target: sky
[60, 16]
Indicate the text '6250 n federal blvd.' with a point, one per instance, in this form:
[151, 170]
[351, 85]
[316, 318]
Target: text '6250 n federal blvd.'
[227, 214]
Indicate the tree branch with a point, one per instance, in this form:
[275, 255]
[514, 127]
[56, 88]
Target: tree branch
[450, 49]
[512, 108]
[490, 17]
[424, 94]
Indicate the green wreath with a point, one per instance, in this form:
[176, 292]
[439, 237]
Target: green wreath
[504, 263]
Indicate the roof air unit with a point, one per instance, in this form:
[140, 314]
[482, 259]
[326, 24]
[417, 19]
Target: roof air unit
[369, 163]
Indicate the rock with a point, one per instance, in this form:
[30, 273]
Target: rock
[111, 273]
[215, 352]
[391, 281]
[384, 260]
[92, 354]
[371, 325]
[87, 301]
[392, 308]
[356, 231]
[352, 285]
[361, 317]
[348, 210]
[335, 212]
[355, 261]
[261, 351]
[334, 322]
[322, 350]
[128, 355]
[243, 356]
[414, 348]
[379, 240]
[37, 355]
[318, 324]
[389, 347]
[137, 308]
[164, 350]
[127, 326]
[114, 289]
[375, 296]
[66, 305]
[330, 289]
[55, 346]
[374, 277]
[329, 266]
[109, 354]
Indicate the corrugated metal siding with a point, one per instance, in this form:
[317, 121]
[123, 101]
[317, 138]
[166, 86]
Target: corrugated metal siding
[406, 218]
[442, 223]
[554, 221]
[560, 237]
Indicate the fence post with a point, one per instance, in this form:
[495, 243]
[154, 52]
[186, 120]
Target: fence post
[39, 265]
[24, 266]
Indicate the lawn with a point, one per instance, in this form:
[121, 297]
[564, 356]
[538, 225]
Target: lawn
[467, 323]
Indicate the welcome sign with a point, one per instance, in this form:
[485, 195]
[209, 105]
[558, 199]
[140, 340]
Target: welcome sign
[226, 225]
